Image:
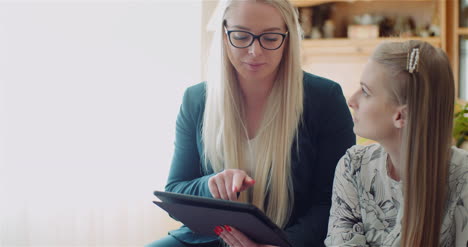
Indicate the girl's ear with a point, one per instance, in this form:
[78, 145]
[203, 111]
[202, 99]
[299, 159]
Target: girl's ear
[400, 117]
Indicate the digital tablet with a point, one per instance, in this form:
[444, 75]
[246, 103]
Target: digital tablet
[202, 215]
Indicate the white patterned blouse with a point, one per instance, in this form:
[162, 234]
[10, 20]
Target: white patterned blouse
[367, 205]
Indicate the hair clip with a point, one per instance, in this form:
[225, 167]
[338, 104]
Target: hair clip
[413, 59]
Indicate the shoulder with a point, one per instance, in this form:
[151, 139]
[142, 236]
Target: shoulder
[319, 86]
[194, 98]
[459, 157]
[324, 101]
[196, 92]
[359, 156]
[359, 165]
[458, 171]
[193, 105]
[458, 183]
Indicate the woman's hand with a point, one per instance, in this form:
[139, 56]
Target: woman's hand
[227, 183]
[234, 238]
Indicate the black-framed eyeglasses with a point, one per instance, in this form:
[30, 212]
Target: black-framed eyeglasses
[244, 39]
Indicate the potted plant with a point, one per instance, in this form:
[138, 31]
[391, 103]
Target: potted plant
[460, 126]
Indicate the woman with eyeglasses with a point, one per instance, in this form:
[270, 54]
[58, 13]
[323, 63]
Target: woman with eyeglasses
[260, 128]
[410, 189]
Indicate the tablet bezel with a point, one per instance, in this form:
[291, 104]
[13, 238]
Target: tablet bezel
[205, 202]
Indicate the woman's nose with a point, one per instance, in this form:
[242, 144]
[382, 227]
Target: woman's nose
[255, 49]
[352, 101]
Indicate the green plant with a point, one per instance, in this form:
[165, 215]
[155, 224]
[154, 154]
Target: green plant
[460, 124]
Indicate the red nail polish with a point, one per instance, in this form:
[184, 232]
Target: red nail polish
[220, 229]
[228, 228]
[216, 231]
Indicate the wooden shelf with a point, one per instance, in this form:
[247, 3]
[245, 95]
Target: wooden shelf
[346, 41]
[345, 46]
[463, 31]
[309, 3]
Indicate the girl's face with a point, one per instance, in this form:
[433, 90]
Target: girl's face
[254, 62]
[375, 114]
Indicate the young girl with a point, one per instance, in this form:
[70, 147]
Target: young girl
[262, 127]
[410, 189]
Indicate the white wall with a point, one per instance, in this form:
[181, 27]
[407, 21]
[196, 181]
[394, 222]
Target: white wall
[89, 93]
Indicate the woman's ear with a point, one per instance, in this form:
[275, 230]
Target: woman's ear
[400, 117]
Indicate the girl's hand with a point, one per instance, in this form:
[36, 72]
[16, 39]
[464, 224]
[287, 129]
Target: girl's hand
[234, 238]
[227, 183]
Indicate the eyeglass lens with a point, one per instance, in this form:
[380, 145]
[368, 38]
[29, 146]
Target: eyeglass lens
[242, 39]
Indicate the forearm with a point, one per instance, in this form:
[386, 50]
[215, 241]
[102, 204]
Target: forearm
[198, 186]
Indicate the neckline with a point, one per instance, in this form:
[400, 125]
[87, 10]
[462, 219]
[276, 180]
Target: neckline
[386, 171]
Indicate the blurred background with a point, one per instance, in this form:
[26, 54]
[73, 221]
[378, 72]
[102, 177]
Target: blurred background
[89, 94]
[90, 90]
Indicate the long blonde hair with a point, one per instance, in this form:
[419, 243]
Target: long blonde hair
[224, 132]
[428, 94]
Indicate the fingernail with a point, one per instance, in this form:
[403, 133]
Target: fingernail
[216, 231]
[235, 188]
[220, 229]
[228, 228]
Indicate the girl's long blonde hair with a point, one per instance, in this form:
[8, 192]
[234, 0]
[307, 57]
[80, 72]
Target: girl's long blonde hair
[428, 94]
[224, 132]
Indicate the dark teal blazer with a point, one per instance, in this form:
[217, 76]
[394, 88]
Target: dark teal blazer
[325, 133]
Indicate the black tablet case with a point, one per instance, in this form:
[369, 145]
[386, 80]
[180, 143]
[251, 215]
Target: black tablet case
[202, 215]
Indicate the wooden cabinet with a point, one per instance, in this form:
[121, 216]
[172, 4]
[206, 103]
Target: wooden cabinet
[342, 59]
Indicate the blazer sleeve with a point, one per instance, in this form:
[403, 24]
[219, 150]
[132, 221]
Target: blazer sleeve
[335, 136]
[186, 174]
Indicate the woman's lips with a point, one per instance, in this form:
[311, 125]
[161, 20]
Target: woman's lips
[254, 66]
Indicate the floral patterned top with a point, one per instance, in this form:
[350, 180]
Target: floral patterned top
[367, 205]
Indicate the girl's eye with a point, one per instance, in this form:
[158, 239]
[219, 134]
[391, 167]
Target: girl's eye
[364, 92]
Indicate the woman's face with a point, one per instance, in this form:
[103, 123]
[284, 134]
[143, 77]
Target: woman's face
[374, 112]
[254, 62]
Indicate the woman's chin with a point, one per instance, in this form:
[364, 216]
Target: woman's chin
[360, 133]
[355, 129]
